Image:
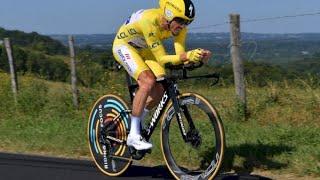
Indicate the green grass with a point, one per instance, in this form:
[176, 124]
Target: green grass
[280, 135]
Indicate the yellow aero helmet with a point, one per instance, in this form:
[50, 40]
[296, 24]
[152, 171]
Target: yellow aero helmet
[177, 9]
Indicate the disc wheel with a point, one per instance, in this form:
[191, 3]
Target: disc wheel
[107, 134]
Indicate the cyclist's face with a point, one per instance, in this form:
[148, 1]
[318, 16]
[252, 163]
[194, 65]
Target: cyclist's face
[182, 21]
[176, 27]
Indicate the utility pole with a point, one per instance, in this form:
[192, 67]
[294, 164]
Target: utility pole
[73, 73]
[13, 74]
[237, 63]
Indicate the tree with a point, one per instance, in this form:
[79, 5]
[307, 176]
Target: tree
[20, 56]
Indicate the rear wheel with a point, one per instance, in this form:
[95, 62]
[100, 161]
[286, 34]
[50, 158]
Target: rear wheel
[107, 132]
[200, 156]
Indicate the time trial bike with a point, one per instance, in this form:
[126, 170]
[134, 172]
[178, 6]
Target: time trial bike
[192, 137]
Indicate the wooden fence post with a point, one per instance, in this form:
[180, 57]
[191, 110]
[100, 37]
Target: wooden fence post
[73, 73]
[237, 64]
[13, 74]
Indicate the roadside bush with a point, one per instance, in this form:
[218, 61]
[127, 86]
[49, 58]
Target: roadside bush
[32, 97]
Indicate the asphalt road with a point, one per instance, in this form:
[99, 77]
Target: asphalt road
[25, 167]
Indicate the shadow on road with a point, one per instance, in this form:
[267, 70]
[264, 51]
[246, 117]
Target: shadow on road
[154, 172]
[251, 156]
[162, 172]
[244, 158]
[40, 167]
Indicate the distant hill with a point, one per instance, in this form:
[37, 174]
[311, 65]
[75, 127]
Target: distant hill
[101, 41]
[34, 41]
[35, 54]
[272, 48]
[297, 54]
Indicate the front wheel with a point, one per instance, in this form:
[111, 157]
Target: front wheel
[200, 154]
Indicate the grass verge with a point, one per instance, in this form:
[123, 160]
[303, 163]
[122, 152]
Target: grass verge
[281, 134]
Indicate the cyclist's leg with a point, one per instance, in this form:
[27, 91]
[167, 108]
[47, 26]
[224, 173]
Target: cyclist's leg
[158, 90]
[131, 60]
[159, 72]
[136, 67]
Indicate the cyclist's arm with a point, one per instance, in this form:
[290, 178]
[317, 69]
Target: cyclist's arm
[156, 46]
[163, 58]
[179, 41]
[179, 44]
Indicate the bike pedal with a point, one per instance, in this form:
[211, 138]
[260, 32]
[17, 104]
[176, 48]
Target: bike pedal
[132, 150]
[148, 151]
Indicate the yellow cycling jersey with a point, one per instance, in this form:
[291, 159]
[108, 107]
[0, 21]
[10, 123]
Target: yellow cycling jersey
[142, 31]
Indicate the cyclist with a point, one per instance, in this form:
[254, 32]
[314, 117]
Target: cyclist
[138, 48]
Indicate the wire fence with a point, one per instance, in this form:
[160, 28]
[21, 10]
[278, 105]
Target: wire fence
[258, 20]
[249, 43]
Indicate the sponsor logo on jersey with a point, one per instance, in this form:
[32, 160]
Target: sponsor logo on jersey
[152, 34]
[125, 57]
[132, 31]
[155, 44]
[122, 35]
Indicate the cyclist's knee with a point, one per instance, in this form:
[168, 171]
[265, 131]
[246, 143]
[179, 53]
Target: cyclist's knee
[146, 81]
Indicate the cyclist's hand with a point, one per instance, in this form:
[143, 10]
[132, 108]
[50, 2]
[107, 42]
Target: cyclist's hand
[206, 55]
[195, 55]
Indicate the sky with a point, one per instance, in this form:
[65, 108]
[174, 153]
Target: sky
[105, 16]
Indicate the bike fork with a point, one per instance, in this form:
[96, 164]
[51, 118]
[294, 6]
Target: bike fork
[178, 111]
[188, 117]
[188, 136]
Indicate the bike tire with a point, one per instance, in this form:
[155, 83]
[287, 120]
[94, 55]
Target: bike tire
[177, 154]
[104, 115]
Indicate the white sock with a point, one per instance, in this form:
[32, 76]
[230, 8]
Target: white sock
[135, 125]
[143, 115]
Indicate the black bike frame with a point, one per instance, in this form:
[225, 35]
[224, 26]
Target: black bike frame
[171, 92]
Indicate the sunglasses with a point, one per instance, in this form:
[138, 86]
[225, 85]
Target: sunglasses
[182, 21]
